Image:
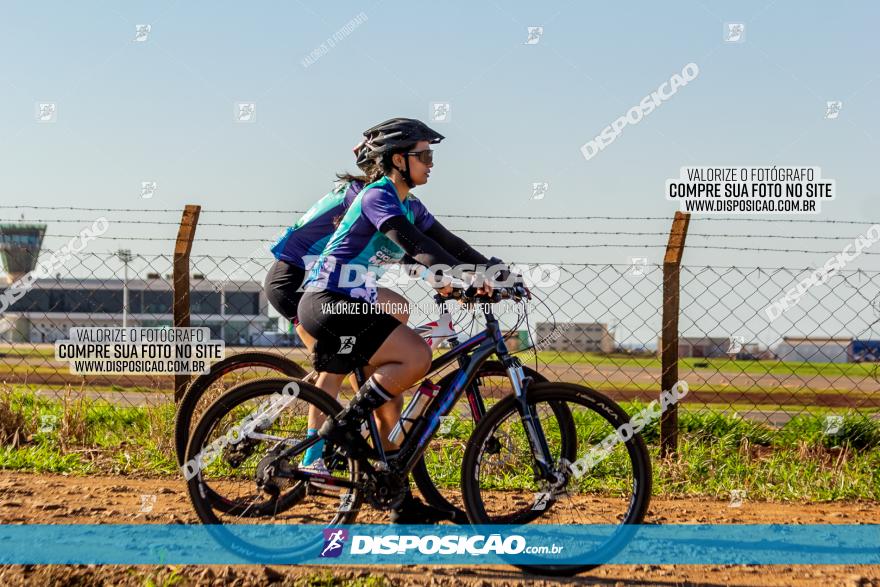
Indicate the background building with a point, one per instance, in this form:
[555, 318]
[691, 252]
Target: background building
[860, 351]
[588, 337]
[814, 350]
[701, 347]
[235, 311]
[20, 245]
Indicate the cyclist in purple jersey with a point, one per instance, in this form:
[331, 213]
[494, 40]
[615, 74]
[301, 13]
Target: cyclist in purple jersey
[345, 328]
[356, 254]
[294, 252]
[303, 243]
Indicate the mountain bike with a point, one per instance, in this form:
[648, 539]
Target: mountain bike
[490, 380]
[521, 454]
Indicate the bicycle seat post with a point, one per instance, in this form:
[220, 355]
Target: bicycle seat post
[359, 376]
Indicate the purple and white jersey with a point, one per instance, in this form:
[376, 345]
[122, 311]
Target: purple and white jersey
[353, 259]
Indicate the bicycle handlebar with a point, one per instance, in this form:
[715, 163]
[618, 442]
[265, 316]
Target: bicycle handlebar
[469, 295]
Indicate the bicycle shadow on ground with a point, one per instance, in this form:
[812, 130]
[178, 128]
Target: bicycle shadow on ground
[615, 575]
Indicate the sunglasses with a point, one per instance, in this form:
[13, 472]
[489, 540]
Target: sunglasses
[426, 156]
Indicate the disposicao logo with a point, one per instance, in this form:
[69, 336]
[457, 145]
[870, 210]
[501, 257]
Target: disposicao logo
[334, 540]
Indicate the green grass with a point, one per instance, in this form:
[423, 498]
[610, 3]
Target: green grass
[717, 452]
[327, 579]
[800, 473]
[806, 369]
[88, 437]
[174, 575]
[27, 350]
[43, 458]
[831, 387]
[27, 388]
[32, 387]
[724, 365]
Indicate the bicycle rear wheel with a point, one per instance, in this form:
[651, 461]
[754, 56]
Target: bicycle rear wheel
[224, 464]
[612, 488]
[211, 385]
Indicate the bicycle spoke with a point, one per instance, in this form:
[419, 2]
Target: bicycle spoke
[228, 483]
[507, 487]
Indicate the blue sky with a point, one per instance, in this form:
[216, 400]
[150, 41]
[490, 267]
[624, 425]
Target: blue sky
[163, 110]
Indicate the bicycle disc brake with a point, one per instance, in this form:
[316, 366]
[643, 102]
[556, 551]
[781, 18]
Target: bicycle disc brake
[497, 442]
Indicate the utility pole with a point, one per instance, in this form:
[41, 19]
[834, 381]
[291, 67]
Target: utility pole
[126, 257]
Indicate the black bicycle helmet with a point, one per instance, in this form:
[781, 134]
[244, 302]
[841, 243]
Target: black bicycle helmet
[392, 136]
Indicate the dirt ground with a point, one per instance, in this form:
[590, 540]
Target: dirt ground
[58, 499]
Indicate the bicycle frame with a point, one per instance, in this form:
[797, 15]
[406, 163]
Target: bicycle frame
[471, 354]
[459, 351]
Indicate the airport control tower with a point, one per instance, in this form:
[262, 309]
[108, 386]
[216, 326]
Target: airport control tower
[20, 245]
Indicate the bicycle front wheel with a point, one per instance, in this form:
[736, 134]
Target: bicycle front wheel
[609, 484]
[437, 474]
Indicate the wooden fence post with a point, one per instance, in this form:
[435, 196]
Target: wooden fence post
[669, 335]
[185, 235]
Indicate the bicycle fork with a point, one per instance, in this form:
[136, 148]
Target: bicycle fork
[531, 422]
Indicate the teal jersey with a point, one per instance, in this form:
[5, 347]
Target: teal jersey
[307, 238]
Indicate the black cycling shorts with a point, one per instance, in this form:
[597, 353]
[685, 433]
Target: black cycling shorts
[348, 331]
[283, 288]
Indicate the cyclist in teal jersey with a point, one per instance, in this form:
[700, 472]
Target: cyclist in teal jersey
[303, 242]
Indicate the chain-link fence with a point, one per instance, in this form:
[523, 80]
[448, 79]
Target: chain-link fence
[741, 350]
[744, 348]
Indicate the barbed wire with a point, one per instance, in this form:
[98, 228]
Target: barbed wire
[467, 230]
[86, 209]
[124, 221]
[509, 245]
[466, 216]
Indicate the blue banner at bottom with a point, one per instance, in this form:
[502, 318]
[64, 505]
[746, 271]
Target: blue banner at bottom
[457, 545]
